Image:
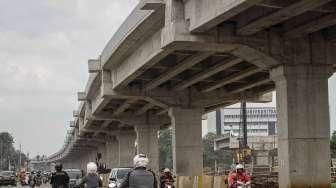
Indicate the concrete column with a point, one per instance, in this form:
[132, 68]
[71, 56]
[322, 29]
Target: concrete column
[187, 141]
[303, 125]
[126, 141]
[112, 149]
[148, 143]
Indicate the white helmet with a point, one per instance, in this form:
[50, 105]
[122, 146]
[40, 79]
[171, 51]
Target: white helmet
[91, 168]
[239, 166]
[140, 160]
[166, 170]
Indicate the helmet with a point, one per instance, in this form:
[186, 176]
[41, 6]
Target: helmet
[140, 160]
[239, 166]
[58, 167]
[91, 168]
[166, 170]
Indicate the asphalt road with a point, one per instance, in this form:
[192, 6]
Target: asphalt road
[19, 186]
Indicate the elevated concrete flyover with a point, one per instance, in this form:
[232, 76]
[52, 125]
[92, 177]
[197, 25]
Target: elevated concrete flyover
[172, 61]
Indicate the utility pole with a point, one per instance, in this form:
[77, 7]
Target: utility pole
[19, 162]
[243, 106]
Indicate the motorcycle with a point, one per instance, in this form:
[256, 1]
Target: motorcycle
[32, 183]
[38, 181]
[243, 185]
[168, 185]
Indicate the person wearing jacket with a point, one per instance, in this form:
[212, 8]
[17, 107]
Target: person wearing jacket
[140, 176]
[92, 179]
[59, 179]
[166, 177]
[239, 177]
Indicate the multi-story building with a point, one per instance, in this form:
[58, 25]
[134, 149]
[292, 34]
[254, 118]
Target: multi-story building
[261, 121]
[261, 132]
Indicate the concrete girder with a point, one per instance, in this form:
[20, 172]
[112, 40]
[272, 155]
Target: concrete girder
[143, 59]
[251, 85]
[124, 106]
[142, 119]
[233, 78]
[284, 14]
[144, 20]
[201, 19]
[207, 73]
[282, 4]
[75, 113]
[166, 98]
[144, 108]
[81, 96]
[180, 67]
[311, 27]
[94, 65]
[219, 99]
[92, 139]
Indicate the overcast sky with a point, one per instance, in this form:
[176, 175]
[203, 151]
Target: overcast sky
[44, 48]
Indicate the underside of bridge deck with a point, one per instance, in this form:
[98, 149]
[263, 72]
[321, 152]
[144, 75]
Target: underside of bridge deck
[172, 61]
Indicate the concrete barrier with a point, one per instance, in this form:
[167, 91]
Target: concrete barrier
[201, 182]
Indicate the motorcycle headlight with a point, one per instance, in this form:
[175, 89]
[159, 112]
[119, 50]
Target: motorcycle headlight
[112, 185]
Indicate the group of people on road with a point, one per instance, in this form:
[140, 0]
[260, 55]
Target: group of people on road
[141, 177]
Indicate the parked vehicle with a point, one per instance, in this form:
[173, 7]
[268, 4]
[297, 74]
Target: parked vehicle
[7, 178]
[116, 175]
[75, 176]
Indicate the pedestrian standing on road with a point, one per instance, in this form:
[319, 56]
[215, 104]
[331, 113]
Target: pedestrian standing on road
[140, 176]
[59, 179]
[92, 179]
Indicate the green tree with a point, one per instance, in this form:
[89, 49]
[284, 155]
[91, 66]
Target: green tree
[7, 151]
[165, 145]
[8, 155]
[210, 156]
[333, 145]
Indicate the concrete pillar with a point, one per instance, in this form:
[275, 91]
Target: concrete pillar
[187, 141]
[126, 140]
[112, 149]
[303, 125]
[148, 143]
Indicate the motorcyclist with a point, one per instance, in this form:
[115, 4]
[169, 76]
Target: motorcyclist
[92, 179]
[23, 177]
[140, 176]
[59, 179]
[239, 178]
[166, 177]
[32, 179]
[38, 178]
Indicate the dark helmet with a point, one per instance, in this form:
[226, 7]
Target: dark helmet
[58, 167]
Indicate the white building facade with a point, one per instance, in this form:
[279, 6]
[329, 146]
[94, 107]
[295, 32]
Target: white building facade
[261, 121]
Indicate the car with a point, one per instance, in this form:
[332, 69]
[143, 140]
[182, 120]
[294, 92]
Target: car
[7, 178]
[117, 174]
[75, 175]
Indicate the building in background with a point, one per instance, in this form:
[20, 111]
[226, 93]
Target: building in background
[261, 121]
[261, 133]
